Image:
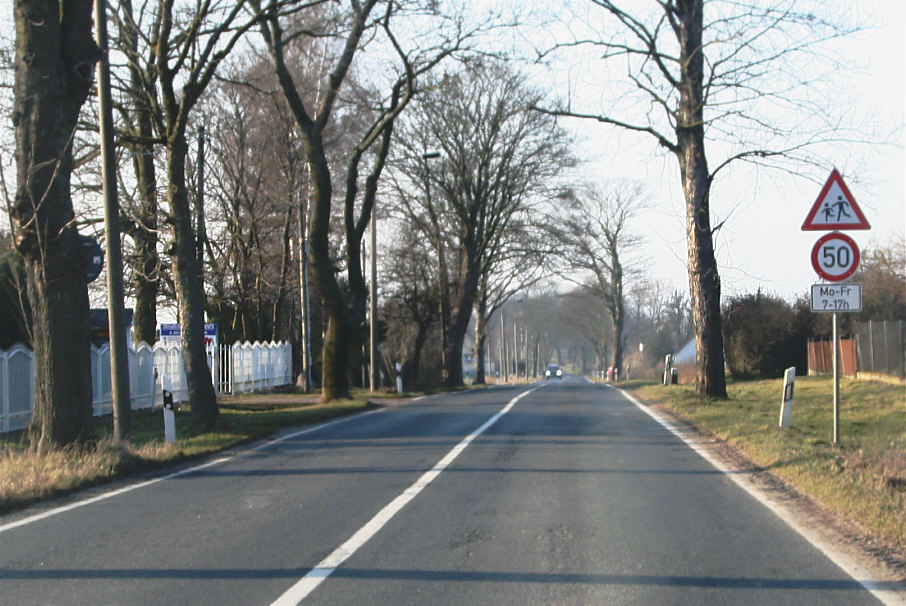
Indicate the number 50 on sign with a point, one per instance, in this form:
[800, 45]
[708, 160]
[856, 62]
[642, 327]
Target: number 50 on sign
[835, 257]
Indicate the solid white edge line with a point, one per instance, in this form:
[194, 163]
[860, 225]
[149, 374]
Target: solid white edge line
[323, 569]
[850, 566]
[113, 493]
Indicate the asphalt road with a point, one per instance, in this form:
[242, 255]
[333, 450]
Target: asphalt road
[569, 495]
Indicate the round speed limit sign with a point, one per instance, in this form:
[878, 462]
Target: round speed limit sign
[835, 257]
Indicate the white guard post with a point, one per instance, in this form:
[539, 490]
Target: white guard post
[399, 378]
[169, 407]
[786, 401]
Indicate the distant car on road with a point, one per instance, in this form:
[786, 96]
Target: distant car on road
[553, 371]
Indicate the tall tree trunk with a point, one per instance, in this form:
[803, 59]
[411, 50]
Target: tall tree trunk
[704, 289]
[145, 269]
[704, 281]
[61, 341]
[335, 356]
[283, 287]
[189, 294]
[481, 339]
[55, 58]
[617, 341]
[461, 314]
[413, 365]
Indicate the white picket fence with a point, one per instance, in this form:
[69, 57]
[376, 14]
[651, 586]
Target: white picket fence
[236, 368]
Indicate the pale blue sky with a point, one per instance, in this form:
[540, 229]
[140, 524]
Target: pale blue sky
[761, 244]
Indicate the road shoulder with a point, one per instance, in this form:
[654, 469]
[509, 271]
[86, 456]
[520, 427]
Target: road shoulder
[868, 560]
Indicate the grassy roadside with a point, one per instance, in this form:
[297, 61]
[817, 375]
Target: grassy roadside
[863, 478]
[27, 477]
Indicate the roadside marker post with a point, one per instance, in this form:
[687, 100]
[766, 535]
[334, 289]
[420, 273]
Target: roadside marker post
[786, 400]
[169, 411]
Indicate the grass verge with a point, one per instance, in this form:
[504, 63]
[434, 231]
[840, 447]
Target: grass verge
[862, 478]
[27, 476]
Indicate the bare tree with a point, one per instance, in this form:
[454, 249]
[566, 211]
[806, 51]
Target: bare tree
[583, 318]
[55, 59]
[697, 80]
[252, 208]
[346, 313]
[515, 263]
[498, 160]
[412, 302]
[882, 273]
[179, 53]
[140, 207]
[591, 234]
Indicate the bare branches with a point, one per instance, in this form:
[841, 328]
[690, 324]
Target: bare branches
[757, 57]
[662, 139]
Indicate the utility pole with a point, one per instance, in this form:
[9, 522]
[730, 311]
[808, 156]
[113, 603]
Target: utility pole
[515, 352]
[303, 293]
[504, 363]
[201, 233]
[375, 376]
[116, 321]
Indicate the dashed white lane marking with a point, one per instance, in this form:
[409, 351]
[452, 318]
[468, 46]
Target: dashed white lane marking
[849, 565]
[113, 493]
[298, 592]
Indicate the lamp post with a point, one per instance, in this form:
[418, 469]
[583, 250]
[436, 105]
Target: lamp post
[515, 352]
[504, 363]
[305, 306]
[373, 375]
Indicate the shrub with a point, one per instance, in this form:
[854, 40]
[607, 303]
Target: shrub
[763, 335]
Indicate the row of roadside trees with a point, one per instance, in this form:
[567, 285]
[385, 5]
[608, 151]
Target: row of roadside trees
[314, 109]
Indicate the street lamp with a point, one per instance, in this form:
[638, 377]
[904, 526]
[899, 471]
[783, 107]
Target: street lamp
[373, 375]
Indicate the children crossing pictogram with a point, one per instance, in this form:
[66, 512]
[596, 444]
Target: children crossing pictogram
[835, 208]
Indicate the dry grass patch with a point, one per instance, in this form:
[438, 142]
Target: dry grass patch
[27, 476]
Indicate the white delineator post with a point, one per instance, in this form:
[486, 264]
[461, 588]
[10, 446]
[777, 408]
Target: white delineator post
[786, 401]
[169, 414]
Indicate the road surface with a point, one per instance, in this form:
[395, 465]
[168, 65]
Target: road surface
[559, 493]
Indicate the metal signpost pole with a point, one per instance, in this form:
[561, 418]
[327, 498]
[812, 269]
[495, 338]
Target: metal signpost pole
[836, 362]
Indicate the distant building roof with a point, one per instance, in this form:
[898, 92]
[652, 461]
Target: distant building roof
[686, 354]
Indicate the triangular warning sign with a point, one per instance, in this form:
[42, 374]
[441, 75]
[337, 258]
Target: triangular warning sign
[835, 208]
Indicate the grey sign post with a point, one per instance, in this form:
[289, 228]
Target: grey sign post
[835, 257]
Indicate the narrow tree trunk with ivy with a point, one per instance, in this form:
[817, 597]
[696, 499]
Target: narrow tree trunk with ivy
[704, 281]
